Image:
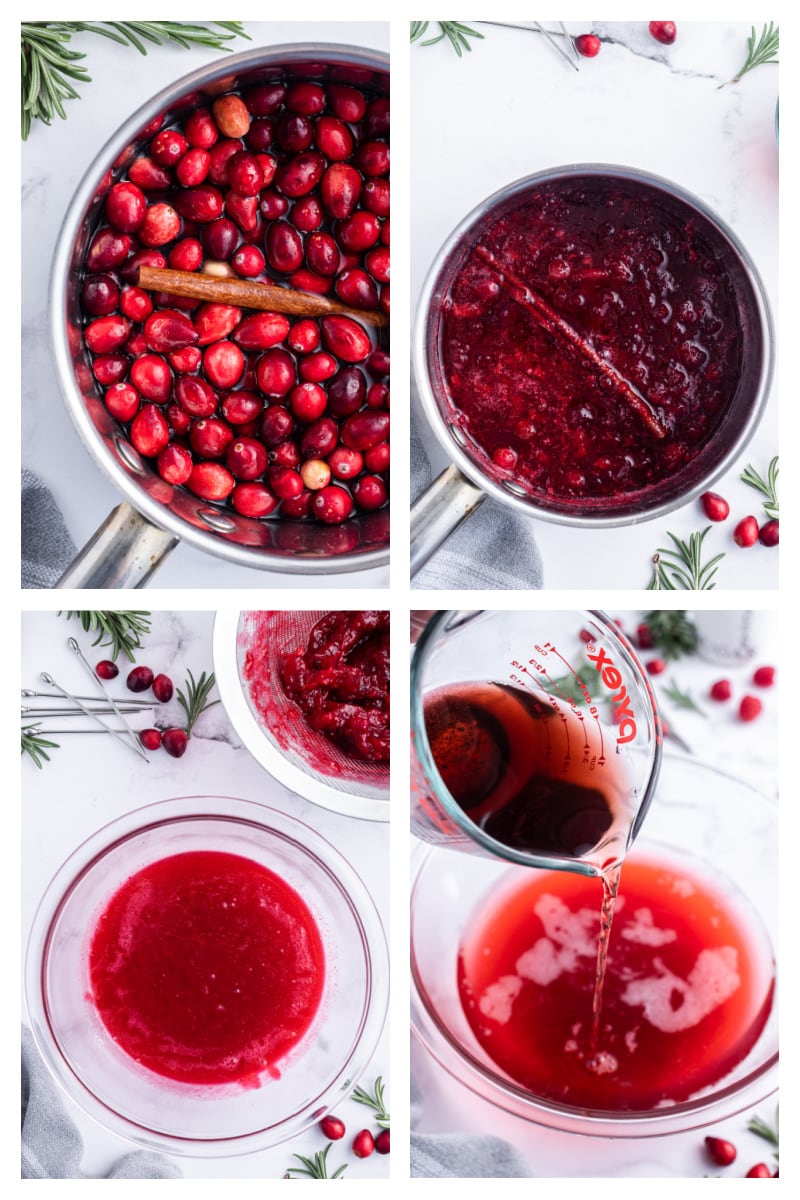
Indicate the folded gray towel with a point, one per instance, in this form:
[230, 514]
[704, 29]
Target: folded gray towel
[47, 548]
[52, 1147]
[461, 1156]
[494, 548]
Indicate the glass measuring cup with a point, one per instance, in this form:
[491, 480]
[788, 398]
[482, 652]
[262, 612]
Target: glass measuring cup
[535, 738]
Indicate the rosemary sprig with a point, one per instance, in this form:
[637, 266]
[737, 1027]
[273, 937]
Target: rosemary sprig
[761, 52]
[683, 699]
[36, 746]
[762, 1129]
[194, 700]
[50, 68]
[456, 33]
[768, 487]
[684, 567]
[375, 1101]
[671, 632]
[316, 1167]
[123, 631]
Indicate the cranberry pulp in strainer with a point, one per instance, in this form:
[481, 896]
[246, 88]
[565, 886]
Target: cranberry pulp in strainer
[590, 340]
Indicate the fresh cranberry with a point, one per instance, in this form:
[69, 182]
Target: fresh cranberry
[333, 138]
[588, 45]
[210, 437]
[332, 504]
[759, 1171]
[214, 322]
[307, 214]
[273, 205]
[149, 431]
[160, 225]
[231, 115]
[240, 407]
[248, 261]
[307, 401]
[107, 669]
[210, 481]
[363, 1144]
[125, 207]
[304, 336]
[162, 688]
[253, 500]
[246, 458]
[139, 679]
[377, 458]
[150, 739]
[260, 135]
[377, 263]
[340, 189]
[167, 330]
[746, 532]
[715, 507]
[369, 492]
[663, 31]
[186, 360]
[764, 677]
[284, 247]
[355, 289]
[346, 102]
[346, 339]
[720, 690]
[175, 741]
[285, 482]
[720, 1151]
[365, 429]
[294, 132]
[262, 330]
[304, 97]
[359, 231]
[148, 175]
[244, 173]
[382, 1142]
[100, 295]
[320, 438]
[168, 147]
[106, 334]
[749, 708]
[322, 254]
[223, 363]
[315, 368]
[201, 204]
[332, 1128]
[315, 474]
[151, 376]
[110, 368]
[300, 175]
[308, 281]
[377, 122]
[135, 303]
[276, 425]
[122, 401]
[275, 373]
[174, 463]
[220, 238]
[195, 396]
[656, 666]
[288, 453]
[768, 533]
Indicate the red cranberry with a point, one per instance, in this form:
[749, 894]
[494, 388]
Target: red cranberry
[125, 207]
[304, 336]
[285, 482]
[122, 401]
[221, 238]
[295, 132]
[340, 189]
[377, 122]
[151, 376]
[346, 392]
[276, 425]
[253, 500]
[332, 505]
[375, 197]
[759, 1171]
[365, 429]
[178, 419]
[218, 160]
[333, 139]
[161, 224]
[142, 258]
[715, 507]
[148, 175]
[663, 31]
[261, 330]
[322, 253]
[201, 204]
[162, 688]
[378, 396]
[720, 690]
[315, 368]
[286, 455]
[140, 679]
[273, 205]
[185, 360]
[244, 173]
[106, 334]
[99, 295]
[264, 99]
[168, 330]
[307, 214]
[195, 396]
[223, 363]
[320, 438]
[175, 741]
[246, 458]
[383, 1142]
[656, 666]
[301, 174]
[240, 407]
[746, 532]
[346, 102]
[150, 739]
[210, 481]
[304, 97]
[377, 458]
[199, 129]
[720, 1151]
[248, 261]
[307, 281]
[245, 212]
[764, 677]
[298, 507]
[110, 368]
[210, 437]
[370, 492]
[749, 708]
[363, 1144]
[149, 430]
[346, 339]
[768, 533]
[588, 45]
[106, 669]
[307, 401]
[275, 372]
[355, 288]
[260, 135]
[333, 1128]
[284, 247]
[135, 303]
[168, 147]
[359, 232]
[346, 464]
[372, 158]
[215, 321]
[174, 464]
[378, 362]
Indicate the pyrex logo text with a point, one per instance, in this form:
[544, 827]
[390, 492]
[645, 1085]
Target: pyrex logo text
[611, 677]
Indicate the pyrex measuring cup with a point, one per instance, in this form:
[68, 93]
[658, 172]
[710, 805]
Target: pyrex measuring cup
[535, 738]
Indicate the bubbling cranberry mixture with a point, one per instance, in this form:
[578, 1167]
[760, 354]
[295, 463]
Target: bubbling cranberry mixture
[642, 283]
[287, 183]
[340, 680]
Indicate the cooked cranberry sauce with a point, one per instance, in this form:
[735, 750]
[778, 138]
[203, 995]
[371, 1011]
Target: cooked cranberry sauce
[287, 183]
[586, 269]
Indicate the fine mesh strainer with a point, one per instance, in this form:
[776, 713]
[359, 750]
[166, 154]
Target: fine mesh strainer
[249, 650]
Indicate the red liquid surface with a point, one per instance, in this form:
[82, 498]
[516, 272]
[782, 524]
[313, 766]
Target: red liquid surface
[340, 681]
[207, 968]
[532, 776]
[645, 285]
[688, 987]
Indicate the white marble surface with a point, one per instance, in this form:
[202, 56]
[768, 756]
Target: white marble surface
[53, 162]
[512, 106]
[746, 751]
[92, 780]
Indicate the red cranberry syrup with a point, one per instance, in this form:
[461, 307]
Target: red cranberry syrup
[688, 986]
[590, 341]
[287, 183]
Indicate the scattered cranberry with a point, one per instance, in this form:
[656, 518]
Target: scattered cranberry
[656, 666]
[644, 637]
[759, 1171]
[333, 1128]
[768, 534]
[162, 688]
[746, 532]
[586, 635]
[382, 1142]
[720, 1151]
[663, 31]
[588, 45]
[749, 708]
[363, 1144]
[107, 669]
[721, 690]
[764, 676]
[175, 741]
[150, 739]
[140, 679]
[715, 507]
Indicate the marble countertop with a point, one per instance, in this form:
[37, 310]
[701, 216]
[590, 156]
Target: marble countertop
[719, 739]
[92, 780]
[54, 160]
[512, 106]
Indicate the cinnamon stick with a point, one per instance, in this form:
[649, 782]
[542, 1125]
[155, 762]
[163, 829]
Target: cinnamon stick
[249, 293]
[554, 324]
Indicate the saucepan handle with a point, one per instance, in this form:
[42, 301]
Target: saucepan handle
[443, 506]
[124, 552]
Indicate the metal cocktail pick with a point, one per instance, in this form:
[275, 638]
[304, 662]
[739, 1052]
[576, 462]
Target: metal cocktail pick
[128, 703]
[132, 745]
[537, 27]
[73, 645]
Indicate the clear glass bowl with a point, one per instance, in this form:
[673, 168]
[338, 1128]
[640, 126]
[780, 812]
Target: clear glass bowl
[181, 1118]
[723, 829]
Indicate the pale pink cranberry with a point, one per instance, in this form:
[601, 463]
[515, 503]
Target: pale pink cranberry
[315, 473]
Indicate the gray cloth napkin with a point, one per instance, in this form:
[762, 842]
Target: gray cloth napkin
[47, 548]
[51, 1144]
[494, 548]
[461, 1156]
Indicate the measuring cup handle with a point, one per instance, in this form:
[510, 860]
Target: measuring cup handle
[443, 506]
[124, 552]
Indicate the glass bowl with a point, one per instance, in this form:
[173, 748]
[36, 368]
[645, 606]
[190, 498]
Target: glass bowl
[723, 829]
[181, 1118]
[278, 736]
